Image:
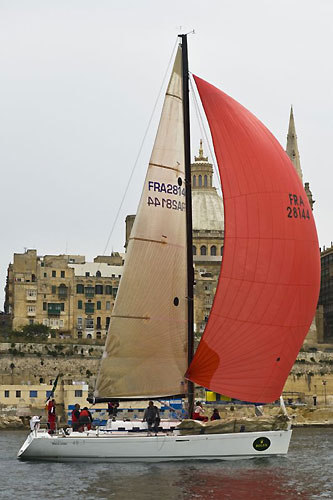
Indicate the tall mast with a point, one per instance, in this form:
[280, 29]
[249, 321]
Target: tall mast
[188, 198]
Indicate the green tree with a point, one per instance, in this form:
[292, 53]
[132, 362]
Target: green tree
[37, 331]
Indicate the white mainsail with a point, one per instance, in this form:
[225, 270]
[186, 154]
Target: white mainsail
[146, 348]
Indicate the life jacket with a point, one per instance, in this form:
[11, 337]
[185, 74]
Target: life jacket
[51, 409]
[85, 416]
[74, 417]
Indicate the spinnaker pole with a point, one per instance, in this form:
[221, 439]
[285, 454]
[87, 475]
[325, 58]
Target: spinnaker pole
[188, 199]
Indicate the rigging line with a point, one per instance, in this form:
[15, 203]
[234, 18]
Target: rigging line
[203, 128]
[141, 147]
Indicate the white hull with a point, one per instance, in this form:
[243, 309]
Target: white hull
[108, 447]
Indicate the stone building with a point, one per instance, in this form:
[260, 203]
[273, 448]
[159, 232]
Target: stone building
[326, 293]
[208, 237]
[64, 292]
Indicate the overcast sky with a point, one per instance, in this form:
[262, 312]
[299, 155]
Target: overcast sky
[79, 80]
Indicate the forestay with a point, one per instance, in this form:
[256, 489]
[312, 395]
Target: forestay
[146, 347]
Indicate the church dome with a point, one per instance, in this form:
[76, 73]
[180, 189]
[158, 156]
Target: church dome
[207, 210]
[207, 205]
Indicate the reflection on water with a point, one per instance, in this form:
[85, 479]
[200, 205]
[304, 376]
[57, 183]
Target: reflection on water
[304, 474]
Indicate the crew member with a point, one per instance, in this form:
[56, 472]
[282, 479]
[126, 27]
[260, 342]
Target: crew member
[215, 415]
[76, 417]
[51, 416]
[199, 413]
[152, 417]
[85, 419]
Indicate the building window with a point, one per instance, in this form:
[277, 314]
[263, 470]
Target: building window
[48, 394]
[62, 291]
[44, 306]
[33, 277]
[79, 335]
[99, 305]
[98, 274]
[79, 289]
[114, 291]
[89, 308]
[108, 290]
[89, 323]
[46, 322]
[89, 336]
[194, 181]
[98, 325]
[79, 322]
[205, 181]
[18, 394]
[107, 305]
[54, 290]
[78, 393]
[107, 322]
[33, 394]
[99, 289]
[45, 275]
[213, 250]
[61, 323]
[62, 274]
[87, 274]
[200, 181]
[54, 274]
[221, 250]
[203, 250]
[194, 250]
[79, 304]
[6, 394]
[98, 335]
[53, 309]
[89, 291]
[62, 306]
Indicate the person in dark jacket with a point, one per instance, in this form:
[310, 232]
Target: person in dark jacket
[152, 417]
[76, 417]
[113, 409]
[216, 415]
[85, 419]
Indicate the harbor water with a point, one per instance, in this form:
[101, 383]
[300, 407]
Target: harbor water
[306, 473]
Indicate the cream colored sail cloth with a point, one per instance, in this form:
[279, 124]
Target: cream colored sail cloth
[146, 348]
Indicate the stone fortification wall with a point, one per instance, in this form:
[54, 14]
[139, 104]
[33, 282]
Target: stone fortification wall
[24, 363]
[29, 363]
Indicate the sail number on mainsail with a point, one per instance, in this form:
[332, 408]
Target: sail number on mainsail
[161, 187]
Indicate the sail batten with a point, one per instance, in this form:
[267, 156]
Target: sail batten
[270, 276]
[146, 348]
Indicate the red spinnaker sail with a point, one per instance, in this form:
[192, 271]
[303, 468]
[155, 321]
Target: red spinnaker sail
[269, 282]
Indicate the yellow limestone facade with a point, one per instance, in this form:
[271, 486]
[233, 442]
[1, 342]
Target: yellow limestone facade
[64, 292]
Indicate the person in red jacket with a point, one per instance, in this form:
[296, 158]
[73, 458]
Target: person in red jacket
[51, 416]
[85, 419]
[76, 417]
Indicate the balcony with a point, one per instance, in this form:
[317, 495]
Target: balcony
[31, 312]
[89, 292]
[31, 298]
[53, 309]
[62, 292]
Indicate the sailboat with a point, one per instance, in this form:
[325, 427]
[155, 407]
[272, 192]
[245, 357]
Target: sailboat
[264, 303]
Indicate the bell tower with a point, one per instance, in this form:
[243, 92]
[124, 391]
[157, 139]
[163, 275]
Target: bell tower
[293, 153]
[202, 171]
